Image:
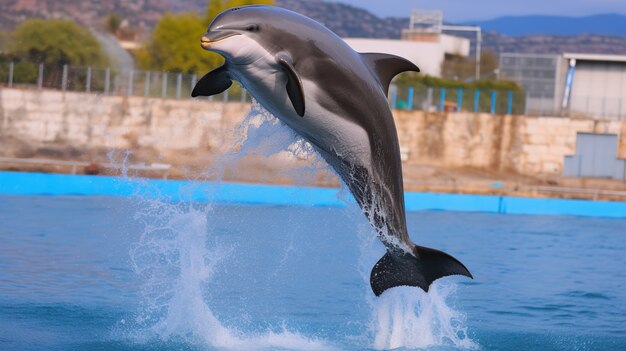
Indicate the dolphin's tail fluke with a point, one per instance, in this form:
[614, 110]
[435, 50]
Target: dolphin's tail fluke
[420, 269]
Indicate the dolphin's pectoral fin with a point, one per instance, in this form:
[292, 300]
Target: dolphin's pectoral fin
[215, 82]
[398, 269]
[387, 66]
[294, 84]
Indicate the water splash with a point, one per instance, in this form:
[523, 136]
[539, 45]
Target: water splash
[179, 250]
[176, 257]
[263, 135]
[407, 317]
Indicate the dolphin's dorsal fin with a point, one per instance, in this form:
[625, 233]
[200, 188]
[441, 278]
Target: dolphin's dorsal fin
[294, 83]
[213, 83]
[387, 66]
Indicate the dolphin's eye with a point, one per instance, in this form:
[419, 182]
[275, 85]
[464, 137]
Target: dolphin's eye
[253, 28]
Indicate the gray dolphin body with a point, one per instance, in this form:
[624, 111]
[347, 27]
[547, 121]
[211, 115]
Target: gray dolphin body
[336, 99]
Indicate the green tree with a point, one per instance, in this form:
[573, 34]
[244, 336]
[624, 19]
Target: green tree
[4, 40]
[457, 67]
[215, 7]
[464, 68]
[112, 23]
[55, 43]
[488, 64]
[175, 46]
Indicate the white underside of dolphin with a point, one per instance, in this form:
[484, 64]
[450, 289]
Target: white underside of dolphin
[335, 98]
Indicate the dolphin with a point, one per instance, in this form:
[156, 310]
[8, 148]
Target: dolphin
[336, 99]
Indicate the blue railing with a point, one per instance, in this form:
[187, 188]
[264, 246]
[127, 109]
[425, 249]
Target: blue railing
[456, 99]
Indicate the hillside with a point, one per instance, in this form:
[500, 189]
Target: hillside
[141, 13]
[513, 34]
[346, 20]
[608, 24]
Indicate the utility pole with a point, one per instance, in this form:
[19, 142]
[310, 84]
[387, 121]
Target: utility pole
[479, 41]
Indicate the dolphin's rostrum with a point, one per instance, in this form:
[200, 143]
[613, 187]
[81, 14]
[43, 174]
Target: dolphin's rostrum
[335, 98]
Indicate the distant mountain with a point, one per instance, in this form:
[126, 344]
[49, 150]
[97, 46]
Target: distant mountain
[602, 34]
[609, 24]
[347, 20]
[140, 13]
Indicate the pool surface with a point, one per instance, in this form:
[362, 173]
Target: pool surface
[107, 273]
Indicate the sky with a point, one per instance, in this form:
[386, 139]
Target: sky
[467, 10]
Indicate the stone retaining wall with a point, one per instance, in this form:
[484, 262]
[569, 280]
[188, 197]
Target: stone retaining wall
[520, 144]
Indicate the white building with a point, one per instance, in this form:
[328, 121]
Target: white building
[423, 43]
[428, 54]
[571, 83]
[597, 87]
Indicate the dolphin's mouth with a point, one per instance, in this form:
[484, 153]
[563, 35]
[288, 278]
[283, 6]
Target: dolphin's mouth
[212, 37]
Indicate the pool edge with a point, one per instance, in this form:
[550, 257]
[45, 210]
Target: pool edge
[45, 184]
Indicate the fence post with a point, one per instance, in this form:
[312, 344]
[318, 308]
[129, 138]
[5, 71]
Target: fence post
[131, 76]
[179, 82]
[244, 94]
[88, 83]
[476, 101]
[194, 80]
[394, 97]
[527, 95]
[459, 101]
[11, 67]
[146, 85]
[442, 99]
[40, 77]
[393, 92]
[494, 97]
[226, 95]
[509, 109]
[410, 98]
[107, 80]
[64, 79]
[429, 99]
[164, 85]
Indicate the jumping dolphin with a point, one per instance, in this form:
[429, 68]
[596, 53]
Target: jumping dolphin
[336, 99]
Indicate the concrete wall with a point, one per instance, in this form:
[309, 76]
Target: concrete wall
[517, 144]
[116, 122]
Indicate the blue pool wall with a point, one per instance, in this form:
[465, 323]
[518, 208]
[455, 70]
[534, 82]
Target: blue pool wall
[41, 184]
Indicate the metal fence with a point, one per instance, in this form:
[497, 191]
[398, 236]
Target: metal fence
[110, 81]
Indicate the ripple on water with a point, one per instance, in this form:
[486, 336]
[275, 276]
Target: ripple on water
[587, 295]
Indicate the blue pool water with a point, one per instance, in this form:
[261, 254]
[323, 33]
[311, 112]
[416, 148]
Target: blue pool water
[103, 273]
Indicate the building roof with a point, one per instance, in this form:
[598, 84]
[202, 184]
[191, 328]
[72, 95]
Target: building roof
[595, 57]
